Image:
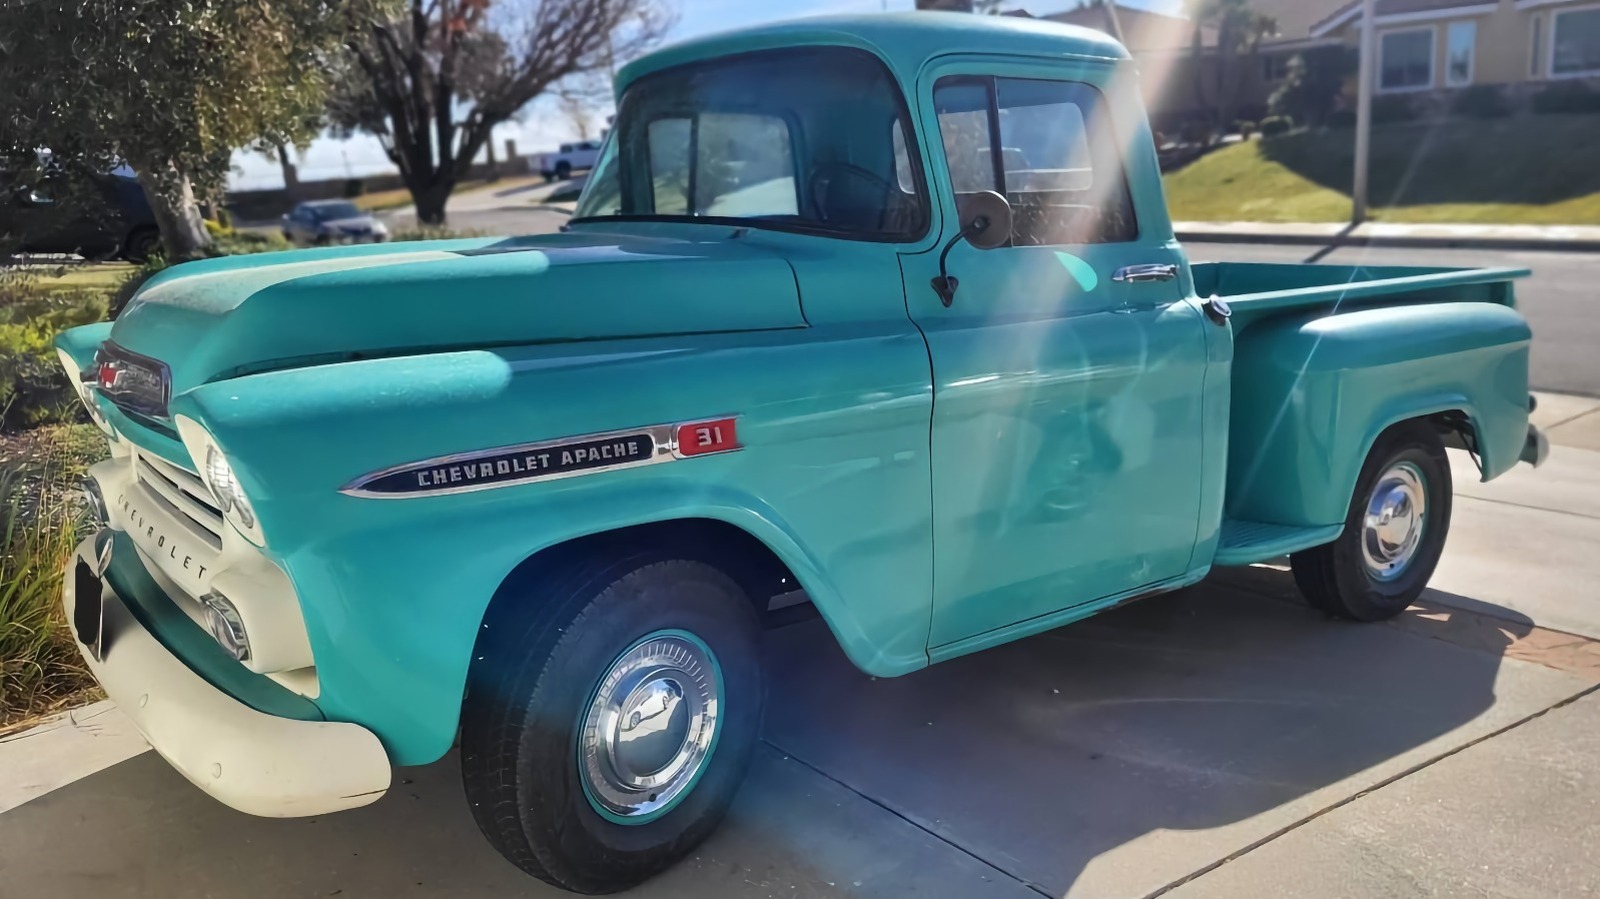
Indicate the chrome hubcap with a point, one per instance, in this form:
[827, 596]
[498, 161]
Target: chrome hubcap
[1391, 529]
[649, 729]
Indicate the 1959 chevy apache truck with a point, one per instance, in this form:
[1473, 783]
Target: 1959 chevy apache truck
[886, 309]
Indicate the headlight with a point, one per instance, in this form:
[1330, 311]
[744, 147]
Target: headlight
[219, 477]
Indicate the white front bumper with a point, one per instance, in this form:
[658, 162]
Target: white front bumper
[257, 763]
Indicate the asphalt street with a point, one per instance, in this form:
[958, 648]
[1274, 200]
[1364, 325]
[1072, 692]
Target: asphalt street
[1561, 299]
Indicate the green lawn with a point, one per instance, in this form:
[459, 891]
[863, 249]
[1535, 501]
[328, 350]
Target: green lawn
[86, 276]
[1527, 170]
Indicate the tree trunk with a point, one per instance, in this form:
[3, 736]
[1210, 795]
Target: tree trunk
[291, 174]
[171, 196]
[494, 167]
[430, 202]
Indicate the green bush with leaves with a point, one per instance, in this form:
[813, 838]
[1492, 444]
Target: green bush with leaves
[40, 668]
[1567, 97]
[1481, 101]
[1392, 110]
[1274, 125]
[33, 388]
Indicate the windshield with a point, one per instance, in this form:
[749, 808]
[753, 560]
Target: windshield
[330, 211]
[809, 139]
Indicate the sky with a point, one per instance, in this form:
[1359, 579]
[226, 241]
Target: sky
[542, 126]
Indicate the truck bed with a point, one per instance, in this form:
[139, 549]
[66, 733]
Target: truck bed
[1256, 290]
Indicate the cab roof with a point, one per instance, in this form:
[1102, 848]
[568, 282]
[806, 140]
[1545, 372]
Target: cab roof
[905, 41]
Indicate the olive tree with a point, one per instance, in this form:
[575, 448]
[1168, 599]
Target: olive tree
[432, 81]
[170, 88]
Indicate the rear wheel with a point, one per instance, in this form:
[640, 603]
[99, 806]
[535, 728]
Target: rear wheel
[563, 171]
[610, 718]
[1394, 531]
[141, 244]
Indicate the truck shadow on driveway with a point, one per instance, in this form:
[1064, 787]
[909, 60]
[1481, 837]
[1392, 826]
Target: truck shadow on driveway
[1113, 757]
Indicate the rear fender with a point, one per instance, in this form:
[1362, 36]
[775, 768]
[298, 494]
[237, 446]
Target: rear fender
[1312, 394]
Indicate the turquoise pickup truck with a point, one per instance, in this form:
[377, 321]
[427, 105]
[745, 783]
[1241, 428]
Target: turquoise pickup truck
[879, 316]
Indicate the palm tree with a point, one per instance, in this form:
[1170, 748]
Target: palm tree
[1240, 31]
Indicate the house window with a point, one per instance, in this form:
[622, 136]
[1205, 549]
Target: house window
[1536, 25]
[1275, 67]
[1405, 60]
[1575, 42]
[1460, 40]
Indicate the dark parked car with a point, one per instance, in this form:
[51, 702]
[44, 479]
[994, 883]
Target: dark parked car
[331, 222]
[114, 220]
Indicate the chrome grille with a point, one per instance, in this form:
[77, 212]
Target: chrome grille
[184, 494]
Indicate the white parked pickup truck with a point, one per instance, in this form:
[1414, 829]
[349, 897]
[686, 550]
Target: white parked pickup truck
[560, 165]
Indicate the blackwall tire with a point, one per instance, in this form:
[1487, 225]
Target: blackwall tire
[611, 660]
[1394, 531]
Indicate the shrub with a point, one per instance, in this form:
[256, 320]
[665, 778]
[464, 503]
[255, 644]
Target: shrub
[33, 388]
[1342, 118]
[1481, 101]
[1244, 128]
[1312, 83]
[1274, 125]
[432, 232]
[40, 520]
[354, 187]
[243, 243]
[1392, 110]
[1567, 97]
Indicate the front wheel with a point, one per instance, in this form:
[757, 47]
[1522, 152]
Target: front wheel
[1393, 534]
[610, 717]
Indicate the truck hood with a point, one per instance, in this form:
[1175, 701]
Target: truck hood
[220, 318]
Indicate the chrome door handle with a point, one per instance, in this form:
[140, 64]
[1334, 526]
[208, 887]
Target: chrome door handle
[1149, 272]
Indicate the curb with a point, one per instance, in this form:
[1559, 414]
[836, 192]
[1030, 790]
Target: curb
[1430, 241]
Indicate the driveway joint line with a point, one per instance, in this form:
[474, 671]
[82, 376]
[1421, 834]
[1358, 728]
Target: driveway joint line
[1570, 419]
[1367, 791]
[1506, 502]
[938, 836]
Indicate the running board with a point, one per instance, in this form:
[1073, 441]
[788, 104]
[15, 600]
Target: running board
[1245, 542]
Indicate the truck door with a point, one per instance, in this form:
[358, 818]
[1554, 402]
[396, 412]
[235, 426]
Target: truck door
[1068, 368]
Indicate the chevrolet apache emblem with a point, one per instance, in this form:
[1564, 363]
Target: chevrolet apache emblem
[586, 454]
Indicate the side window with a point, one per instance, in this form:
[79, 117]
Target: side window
[669, 165]
[1054, 156]
[722, 164]
[744, 166]
[903, 177]
[963, 108]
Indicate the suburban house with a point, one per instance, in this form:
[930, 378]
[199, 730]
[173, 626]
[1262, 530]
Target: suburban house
[1423, 46]
[1440, 44]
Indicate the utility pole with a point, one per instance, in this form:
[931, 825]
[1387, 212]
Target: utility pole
[1369, 43]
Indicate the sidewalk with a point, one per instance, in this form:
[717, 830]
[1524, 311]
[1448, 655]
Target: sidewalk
[1385, 234]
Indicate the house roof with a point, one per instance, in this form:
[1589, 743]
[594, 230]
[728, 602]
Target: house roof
[1386, 9]
[1143, 30]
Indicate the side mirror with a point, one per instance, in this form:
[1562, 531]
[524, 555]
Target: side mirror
[985, 219]
[985, 223]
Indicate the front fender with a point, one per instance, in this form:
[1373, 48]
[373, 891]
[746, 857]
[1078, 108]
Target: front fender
[1311, 395]
[833, 477]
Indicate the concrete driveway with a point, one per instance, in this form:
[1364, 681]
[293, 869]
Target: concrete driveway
[1223, 741]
